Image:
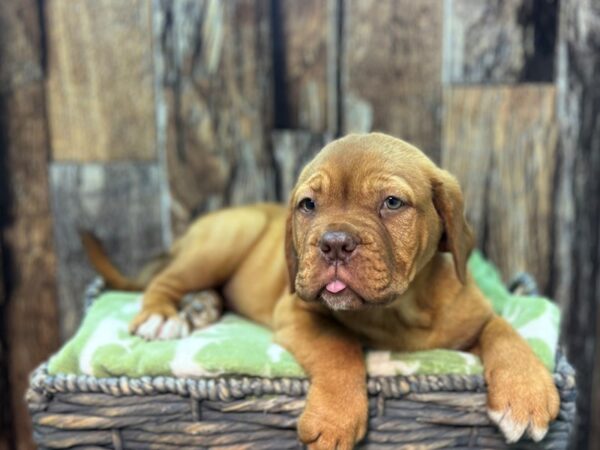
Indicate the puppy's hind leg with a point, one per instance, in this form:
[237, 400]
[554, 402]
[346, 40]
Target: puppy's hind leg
[204, 258]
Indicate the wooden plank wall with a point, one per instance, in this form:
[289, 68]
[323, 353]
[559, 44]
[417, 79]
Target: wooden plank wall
[131, 118]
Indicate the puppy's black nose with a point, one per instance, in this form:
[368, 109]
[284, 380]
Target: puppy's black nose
[337, 246]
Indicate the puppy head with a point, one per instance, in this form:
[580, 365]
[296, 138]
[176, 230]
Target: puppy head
[367, 214]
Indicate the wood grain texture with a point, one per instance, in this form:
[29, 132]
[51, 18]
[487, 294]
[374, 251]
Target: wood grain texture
[30, 313]
[391, 69]
[29, 330]
[309, 44]
[119, 203]
[292, 150]
[100, 83]
[20, 40]
[577, 256]
[5, 412]
[213, 63]
[499, 41]
[501, 143]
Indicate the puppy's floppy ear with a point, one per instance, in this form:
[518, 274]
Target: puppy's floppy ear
[457, 237]
[291, 256]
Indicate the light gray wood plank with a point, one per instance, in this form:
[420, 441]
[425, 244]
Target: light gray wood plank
[120, 203]
[392, 69]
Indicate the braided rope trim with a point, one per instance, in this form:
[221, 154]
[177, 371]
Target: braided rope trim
[226, 388]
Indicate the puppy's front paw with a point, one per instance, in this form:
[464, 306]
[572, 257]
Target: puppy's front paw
[332, 421]
[159, 324]
[522, 401]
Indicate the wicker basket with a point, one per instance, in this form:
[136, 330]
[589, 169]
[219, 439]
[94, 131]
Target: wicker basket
[417, 412]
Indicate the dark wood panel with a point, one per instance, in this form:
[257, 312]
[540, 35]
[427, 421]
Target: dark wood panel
[5, 412]
[501, 144]
[577, 256]
[499, 41]
[120, 203]
[31, 312]
[29, 330]
[310, 51]
[100, 83]
[20, 38]
[214, 105]
[391, 69]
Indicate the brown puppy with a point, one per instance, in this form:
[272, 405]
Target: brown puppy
[376, 246]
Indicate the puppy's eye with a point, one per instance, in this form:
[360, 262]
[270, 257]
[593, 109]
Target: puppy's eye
[307, 205]
[393, 203]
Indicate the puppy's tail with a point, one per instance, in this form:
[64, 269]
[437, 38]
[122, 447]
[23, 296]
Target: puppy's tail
[101, 262]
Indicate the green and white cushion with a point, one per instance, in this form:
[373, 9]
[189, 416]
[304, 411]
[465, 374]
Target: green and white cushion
[103, 347]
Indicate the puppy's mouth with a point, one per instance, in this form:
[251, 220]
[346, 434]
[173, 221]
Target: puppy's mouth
[338, 296]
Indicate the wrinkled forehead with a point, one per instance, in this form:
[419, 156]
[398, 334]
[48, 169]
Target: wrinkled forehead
[367, 166]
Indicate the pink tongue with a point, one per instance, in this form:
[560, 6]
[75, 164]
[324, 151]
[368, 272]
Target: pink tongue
[335, 286]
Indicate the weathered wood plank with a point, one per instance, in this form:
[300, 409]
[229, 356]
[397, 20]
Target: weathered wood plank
[501, 144]
[499, 41]
[100, 83]
[117, 201]
[31, 313]
[292, 150]
[213, 65]
[309, 44]
[577, 255]
[29, 331]
[5, 412]
[391, 69]
[19, 44]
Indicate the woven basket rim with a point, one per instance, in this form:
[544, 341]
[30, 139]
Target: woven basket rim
[228, 387]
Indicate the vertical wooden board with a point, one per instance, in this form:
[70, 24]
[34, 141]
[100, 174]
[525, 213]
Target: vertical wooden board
[501, 143]
[499, 41]
[391, 69]
[119, 202]
[19, 44]
[213, 62]
[29, 332]
[307, 50]
[577, 256]
[100, 82]
[31, 311]
[5, 412]
[292, 150]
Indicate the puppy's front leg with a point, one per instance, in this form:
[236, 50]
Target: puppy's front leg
[521, 393]
[335, 415]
